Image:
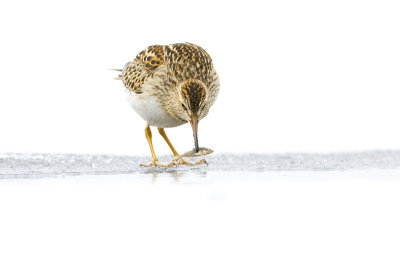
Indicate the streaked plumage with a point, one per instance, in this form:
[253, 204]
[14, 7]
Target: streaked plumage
[169, 85]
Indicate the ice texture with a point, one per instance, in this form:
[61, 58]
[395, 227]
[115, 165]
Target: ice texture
[12, 164]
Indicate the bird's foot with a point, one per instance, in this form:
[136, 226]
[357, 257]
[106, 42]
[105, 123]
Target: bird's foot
[158, 164]
[179, 160]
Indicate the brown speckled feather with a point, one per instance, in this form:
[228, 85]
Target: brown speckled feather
[143, 67]
[188, 61]
[183, 61]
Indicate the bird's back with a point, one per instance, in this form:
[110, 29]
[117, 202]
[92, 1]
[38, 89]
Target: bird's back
[175, 63]
[188, 61]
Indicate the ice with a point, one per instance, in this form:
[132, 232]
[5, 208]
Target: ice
[55, 164]
[241, 210]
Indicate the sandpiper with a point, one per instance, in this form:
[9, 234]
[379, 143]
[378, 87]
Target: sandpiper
[169, 85]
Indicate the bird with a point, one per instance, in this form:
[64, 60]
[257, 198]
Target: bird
[170, 85]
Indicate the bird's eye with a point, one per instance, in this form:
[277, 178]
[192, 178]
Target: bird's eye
[184, 107]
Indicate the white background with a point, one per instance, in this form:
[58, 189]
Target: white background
[178, 220]
[295, 75]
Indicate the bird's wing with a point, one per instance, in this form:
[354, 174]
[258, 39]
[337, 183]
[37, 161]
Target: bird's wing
[144, 66]
[186, 60]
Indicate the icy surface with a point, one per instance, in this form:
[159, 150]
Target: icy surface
[240, 210]
[55, 164]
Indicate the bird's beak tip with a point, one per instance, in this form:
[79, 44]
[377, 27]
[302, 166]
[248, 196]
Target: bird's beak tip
[194, 121]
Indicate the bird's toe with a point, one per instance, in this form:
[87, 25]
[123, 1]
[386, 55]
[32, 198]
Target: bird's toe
[158, 164]
[181, 161]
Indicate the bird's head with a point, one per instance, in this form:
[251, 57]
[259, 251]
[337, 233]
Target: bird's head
[193, 97]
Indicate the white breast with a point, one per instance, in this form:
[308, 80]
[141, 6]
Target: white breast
[148, 107]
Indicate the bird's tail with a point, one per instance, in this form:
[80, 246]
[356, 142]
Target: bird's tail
[122, 71]
[119, 77]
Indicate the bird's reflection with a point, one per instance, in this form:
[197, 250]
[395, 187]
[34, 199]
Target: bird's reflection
[154, 177]
[177, 175]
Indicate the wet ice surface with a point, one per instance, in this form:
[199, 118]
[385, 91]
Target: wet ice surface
[53, 164]
[240, 210]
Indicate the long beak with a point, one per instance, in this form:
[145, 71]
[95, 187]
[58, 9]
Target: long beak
[194, 121]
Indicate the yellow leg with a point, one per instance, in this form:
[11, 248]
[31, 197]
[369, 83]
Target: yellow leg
[163, 134]
[178, 159]
[155, 161]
